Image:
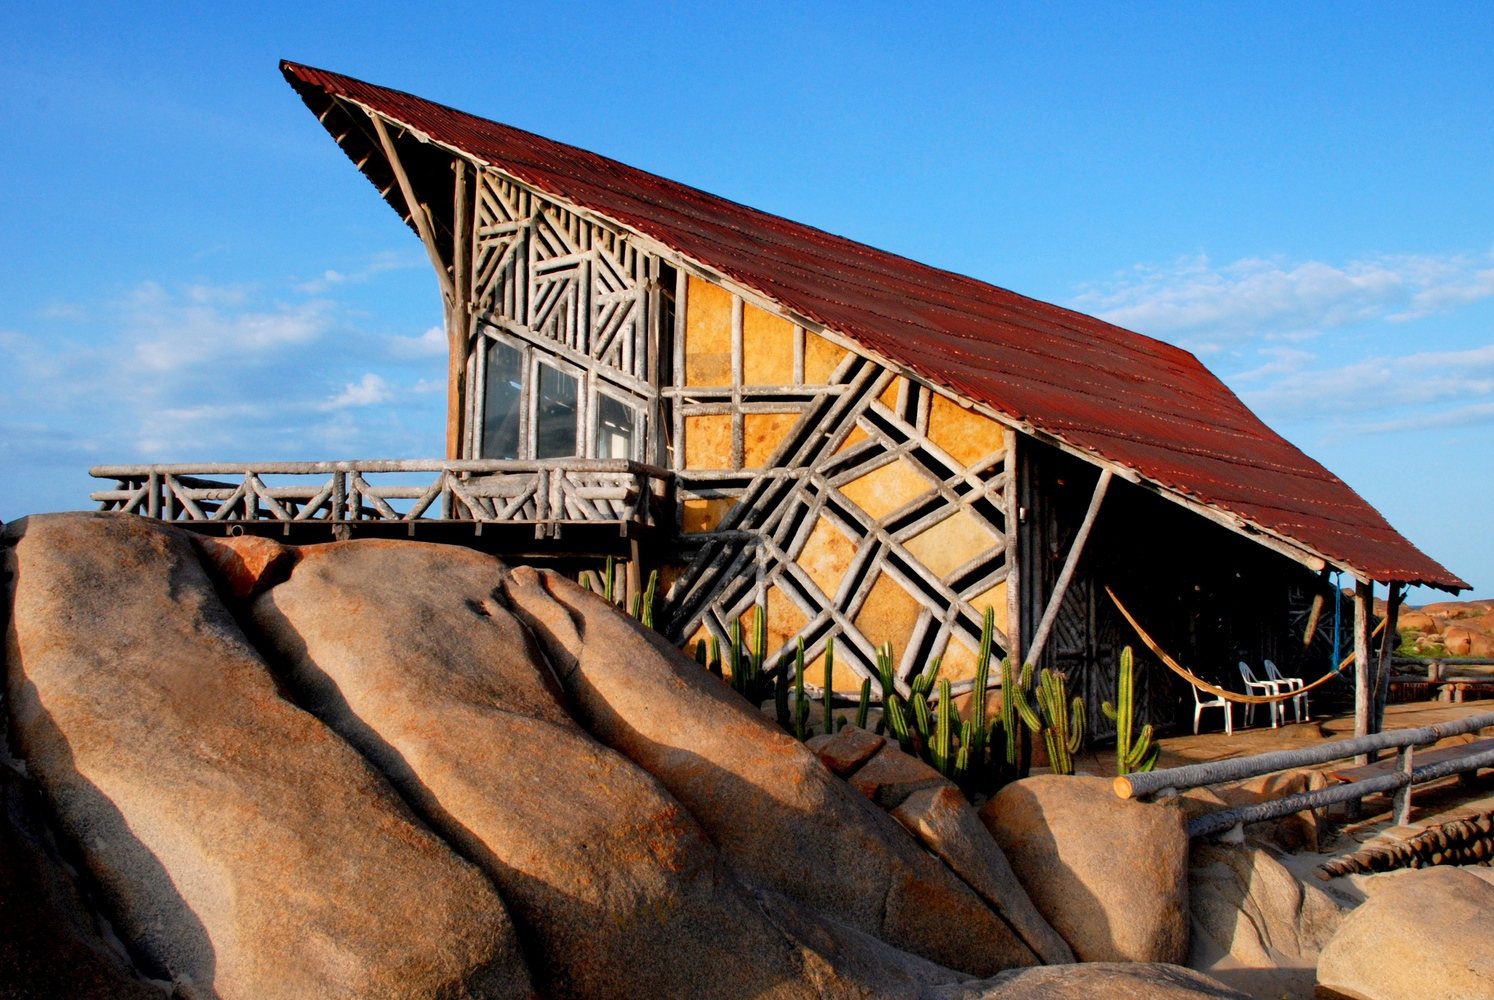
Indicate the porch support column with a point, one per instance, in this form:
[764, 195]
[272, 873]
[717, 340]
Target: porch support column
[1389, 642]
[1070, 563]
[458, 317]
[1364, 695]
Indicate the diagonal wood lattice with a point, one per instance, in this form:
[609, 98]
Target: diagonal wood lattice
[861, 527]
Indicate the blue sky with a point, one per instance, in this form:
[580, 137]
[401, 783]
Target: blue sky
[1301, 194]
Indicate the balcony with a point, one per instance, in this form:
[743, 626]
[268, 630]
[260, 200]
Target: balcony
[558, 508]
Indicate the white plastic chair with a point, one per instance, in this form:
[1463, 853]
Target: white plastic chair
[1253, 686]
[1299, 703]
[1199, 705]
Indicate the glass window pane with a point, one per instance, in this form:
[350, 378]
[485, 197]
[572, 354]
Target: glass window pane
[555, 416]
[500, 419]
[614, 428]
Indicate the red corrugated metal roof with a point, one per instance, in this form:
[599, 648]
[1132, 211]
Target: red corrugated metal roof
[1127, 398]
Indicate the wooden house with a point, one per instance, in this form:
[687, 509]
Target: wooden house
[870, 448]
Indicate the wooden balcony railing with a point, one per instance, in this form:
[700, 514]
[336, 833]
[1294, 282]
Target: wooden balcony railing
[547, 494]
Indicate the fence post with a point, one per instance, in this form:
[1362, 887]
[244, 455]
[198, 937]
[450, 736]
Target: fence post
[153, 495]
[1402, 801]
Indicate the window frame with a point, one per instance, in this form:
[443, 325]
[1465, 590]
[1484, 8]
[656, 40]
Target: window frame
[638, 407]
[480, 379]
[583, 403]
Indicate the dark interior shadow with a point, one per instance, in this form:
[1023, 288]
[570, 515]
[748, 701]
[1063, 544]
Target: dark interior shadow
[162, 934]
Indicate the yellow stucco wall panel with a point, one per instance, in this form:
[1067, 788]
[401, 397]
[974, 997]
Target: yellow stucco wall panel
[767, 348]
[827, 555]
[888, 615]
[761, 434]
[821, 358]
[951, 543]
[885, 489]
[707, 334]
[964, 434]
[706, 515]
[708, 441]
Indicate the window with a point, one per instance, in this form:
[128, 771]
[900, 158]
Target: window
[614, 428]
[502, 400]
[555, 414]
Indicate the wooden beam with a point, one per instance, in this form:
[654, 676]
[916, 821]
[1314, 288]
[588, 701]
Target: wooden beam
[1364, 604]
[417, 210]
[1013, 562]
[1388, 644]
[1050, 614]
[458, 317]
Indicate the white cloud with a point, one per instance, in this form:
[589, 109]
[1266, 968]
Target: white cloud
[1422, 380]
[210, 373]
[372, 389]
[1207, 308]
[430, 343]
[379, 264]
[202, 325]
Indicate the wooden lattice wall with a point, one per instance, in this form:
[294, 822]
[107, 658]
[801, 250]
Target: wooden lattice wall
[848, 500]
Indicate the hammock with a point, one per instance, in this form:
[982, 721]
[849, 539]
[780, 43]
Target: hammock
[1199, 682]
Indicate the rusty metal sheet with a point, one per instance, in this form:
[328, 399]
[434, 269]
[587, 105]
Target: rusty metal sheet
[1125, 397]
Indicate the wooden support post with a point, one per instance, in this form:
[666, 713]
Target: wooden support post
[1402, 810]
[634, 585]
[1389, 642]
[417, 210]
[458, 317]
[1013, 562]
[1364, 604]
[1055, 601]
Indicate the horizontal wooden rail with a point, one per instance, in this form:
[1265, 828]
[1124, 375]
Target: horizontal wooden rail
[1218, 822]
[472, 465]
[1238, 768]
[545, 493]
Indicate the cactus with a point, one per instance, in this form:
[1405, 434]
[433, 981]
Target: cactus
[974, 747]
[893, 711]
[607, 584]
[700, 653]
[1011, 695]
[923, 716]
[716, 657]
[863, 705]
[941, 752]
[1141, 753]
[1059, 722]
[635, 609]
[924, 682]
[780, 694]
[650, 594]
[969, 746]
[801, 703]
[827, 693]
[738, 664]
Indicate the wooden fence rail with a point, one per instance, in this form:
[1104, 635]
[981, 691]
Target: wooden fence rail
[545, 493]
[1239, 768]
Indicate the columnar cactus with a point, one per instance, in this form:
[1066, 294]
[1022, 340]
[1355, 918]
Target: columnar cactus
[863, 704]
[1059, 722]
[893, 708]
[780, 694]
[1141, 753]
[1013, 688]
[941, 751]
[801, 703]
[827, 693]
